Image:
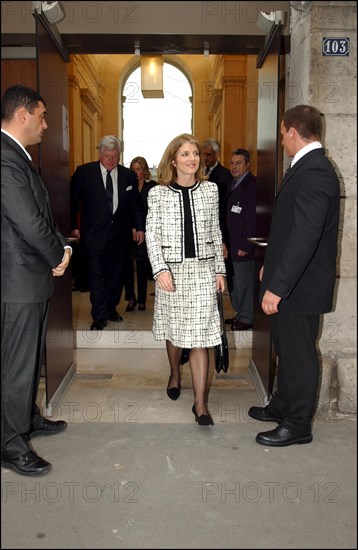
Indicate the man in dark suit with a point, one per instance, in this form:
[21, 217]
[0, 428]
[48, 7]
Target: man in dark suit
[299, 275]
[240, 223]
[107, 197]
[216, 172]
[33, 251]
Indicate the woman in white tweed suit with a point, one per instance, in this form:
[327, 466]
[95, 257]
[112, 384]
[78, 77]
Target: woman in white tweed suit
[185, 250]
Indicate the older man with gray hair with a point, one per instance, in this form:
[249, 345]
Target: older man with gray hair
[105, 207]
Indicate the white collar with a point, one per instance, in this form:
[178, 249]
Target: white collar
[306, 149]
[17, 141]
[212, 167]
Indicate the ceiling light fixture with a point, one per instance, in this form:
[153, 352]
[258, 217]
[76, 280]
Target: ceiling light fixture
[152, 76]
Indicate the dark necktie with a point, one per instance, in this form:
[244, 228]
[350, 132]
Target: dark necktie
[109, 190]
[287, 171]
[234, 184]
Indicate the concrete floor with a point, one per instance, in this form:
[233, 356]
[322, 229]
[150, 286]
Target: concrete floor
[133, 470]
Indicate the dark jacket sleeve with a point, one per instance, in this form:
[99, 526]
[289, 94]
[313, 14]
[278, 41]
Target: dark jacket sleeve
[301, 254]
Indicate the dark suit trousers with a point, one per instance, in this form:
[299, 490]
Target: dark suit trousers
[141, 268]
[106, 273]
[294, 337]
[23, 335]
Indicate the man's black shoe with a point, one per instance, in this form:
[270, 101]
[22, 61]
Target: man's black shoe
[48, 427]
[115, 317]
[263, 414]
[29, 464]
[230, 320]
[282, 437]
[98, 325]
[240, 325]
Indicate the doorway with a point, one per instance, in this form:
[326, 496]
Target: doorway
[211, 103]
[149, 124]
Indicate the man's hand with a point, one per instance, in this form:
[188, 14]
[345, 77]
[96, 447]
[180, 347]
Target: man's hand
[270, 303]
[61, 268]
[76, 234]
[139, 237]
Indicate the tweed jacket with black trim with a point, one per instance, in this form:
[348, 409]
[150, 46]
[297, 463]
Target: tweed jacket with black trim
[165, 226]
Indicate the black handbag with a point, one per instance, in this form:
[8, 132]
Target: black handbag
[222, 350]
[184, 358]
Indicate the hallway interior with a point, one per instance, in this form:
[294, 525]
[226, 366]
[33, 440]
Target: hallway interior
[133, 469]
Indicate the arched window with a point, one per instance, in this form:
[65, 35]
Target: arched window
[150, 124]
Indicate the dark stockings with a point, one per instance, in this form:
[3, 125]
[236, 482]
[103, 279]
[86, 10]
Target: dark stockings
[174, 354]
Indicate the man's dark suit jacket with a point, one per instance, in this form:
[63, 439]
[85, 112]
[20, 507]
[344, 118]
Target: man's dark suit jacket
[223, 178]
[97, 223]
[240, 226]
[300, 259]
[31, 243]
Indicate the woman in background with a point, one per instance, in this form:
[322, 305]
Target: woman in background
[138, 261]
[185, 250]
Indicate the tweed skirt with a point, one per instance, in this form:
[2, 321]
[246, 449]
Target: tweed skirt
[188, 317]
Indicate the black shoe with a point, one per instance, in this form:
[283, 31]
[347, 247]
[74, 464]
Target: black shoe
[173, 393]
[240, 325]
[203, 419]
[98, 325]
[184, 358]
[28, 464]
[132, 304]
[141, 307]
[281, 437]
[230, 320]
[48, 427]
[263, 414]
[115, 317]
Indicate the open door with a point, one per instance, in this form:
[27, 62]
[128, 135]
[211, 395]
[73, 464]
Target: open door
[54, 169]
[269, 166]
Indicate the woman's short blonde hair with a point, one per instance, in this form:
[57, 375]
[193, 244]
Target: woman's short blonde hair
[166, 172]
